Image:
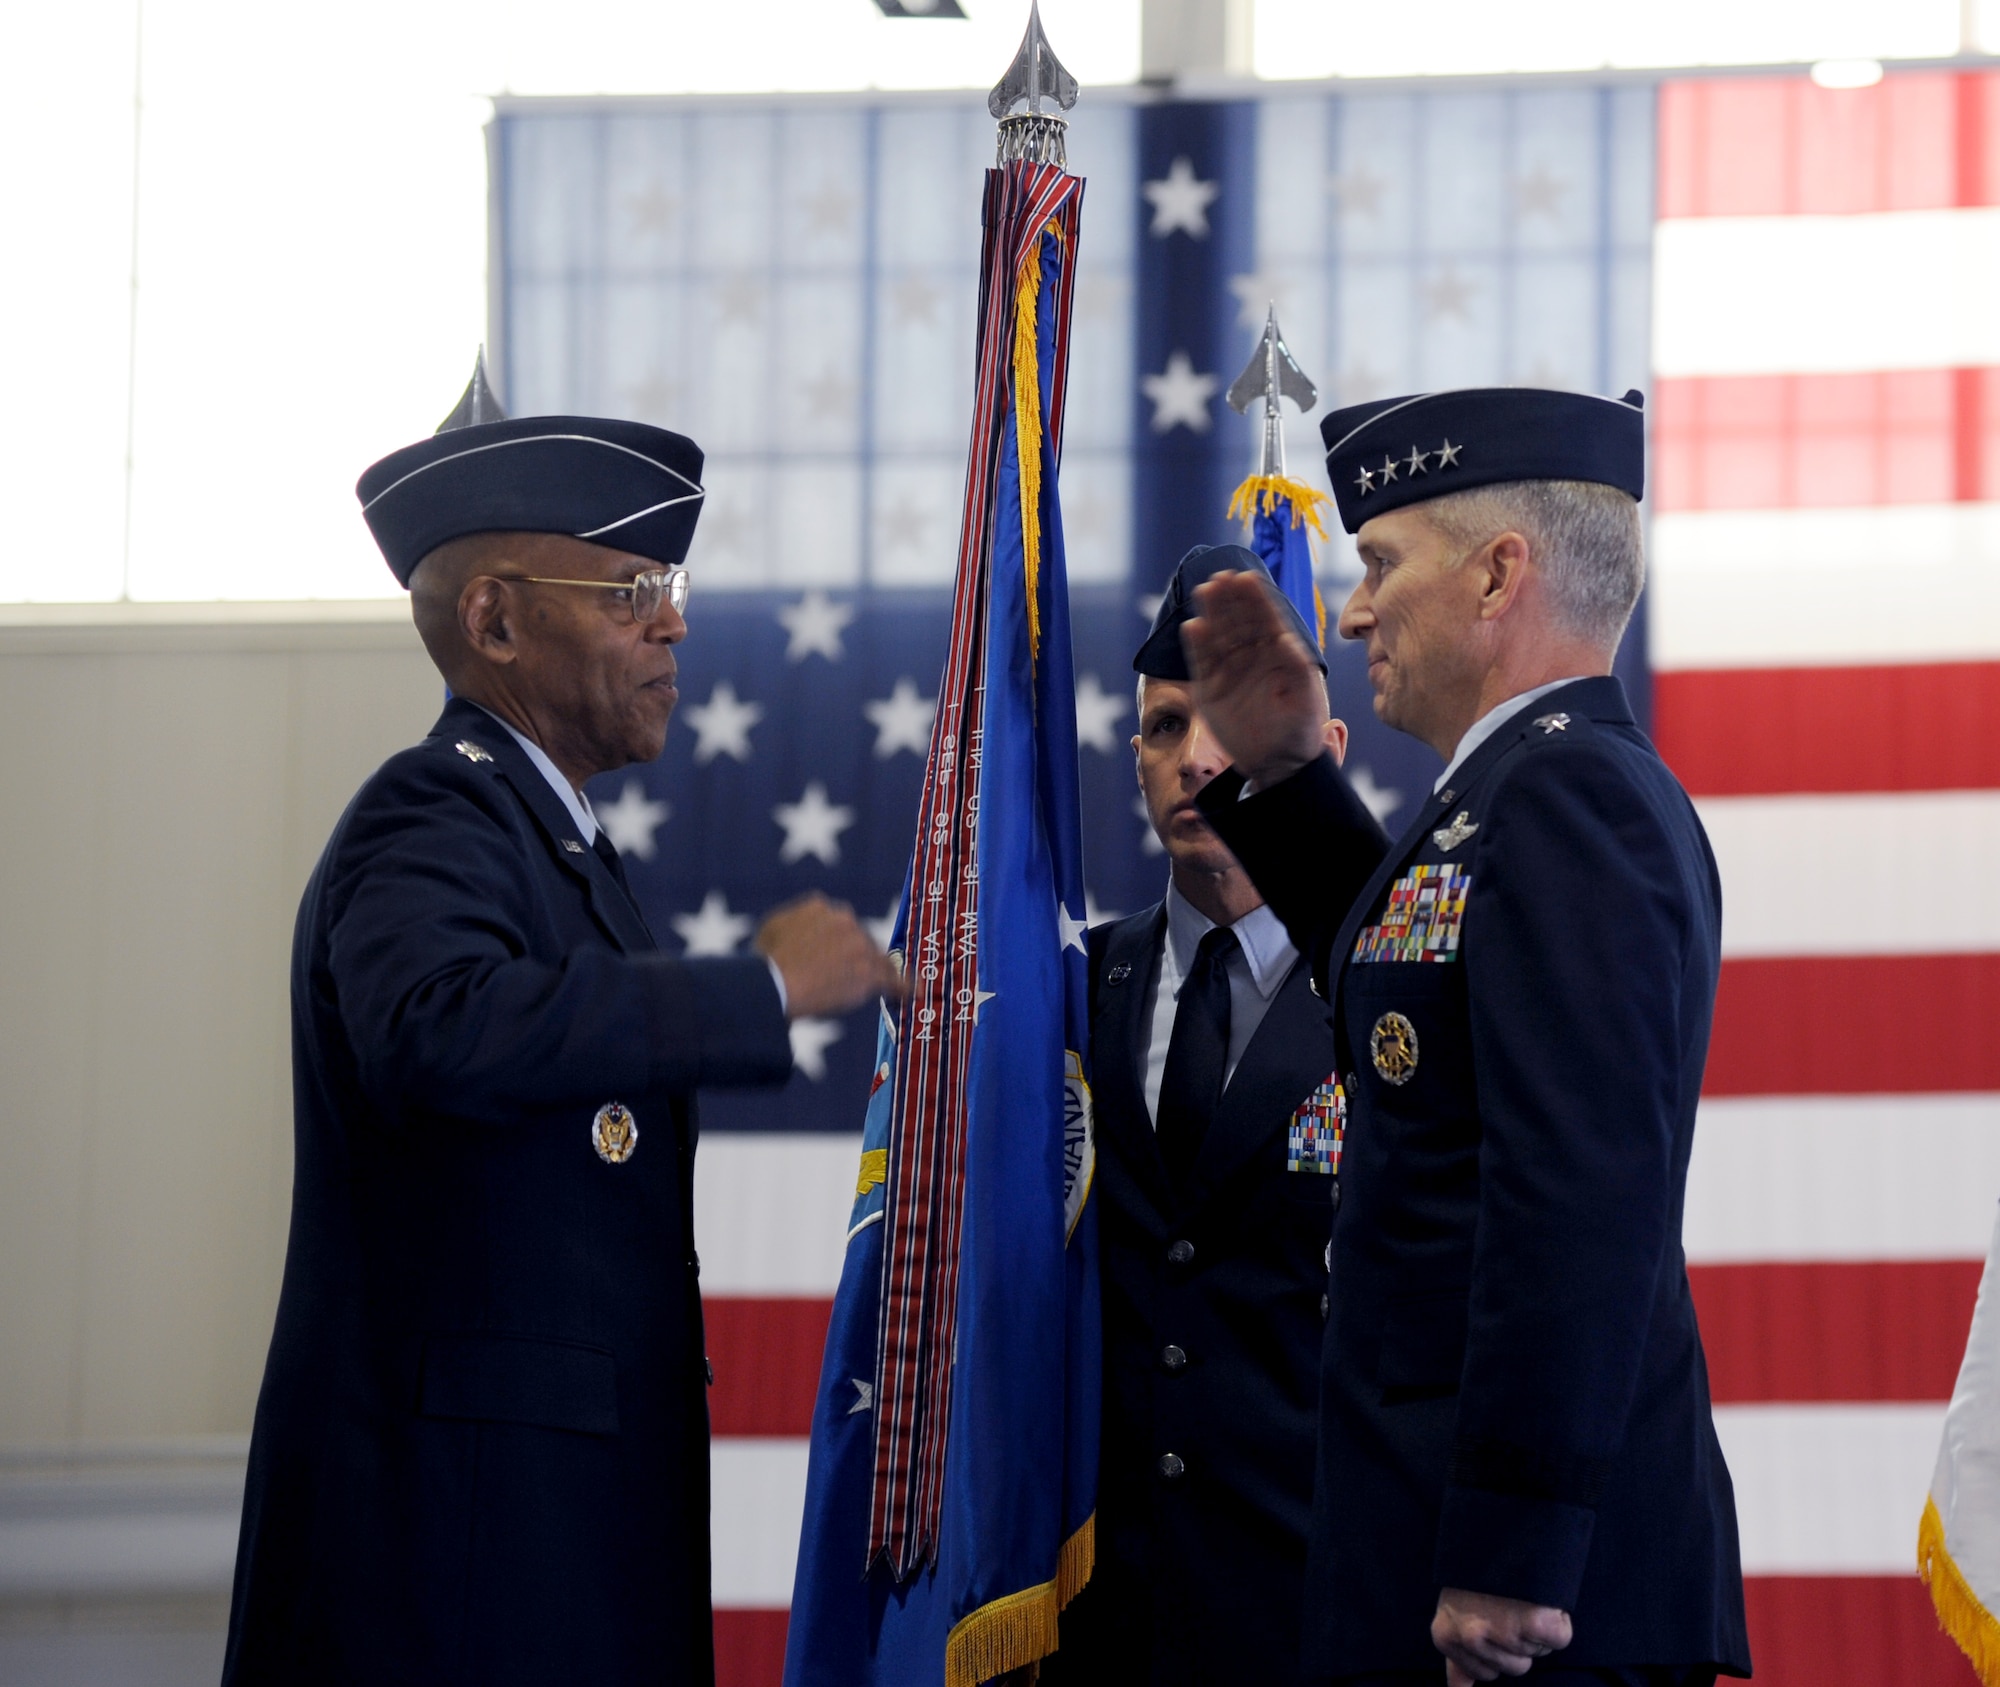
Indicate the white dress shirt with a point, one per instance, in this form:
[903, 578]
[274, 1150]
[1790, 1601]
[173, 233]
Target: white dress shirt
[573, 799]
[1263, 958]
[1492, 721]
[586, 822]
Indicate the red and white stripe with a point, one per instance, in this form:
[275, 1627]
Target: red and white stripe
[1826, 644]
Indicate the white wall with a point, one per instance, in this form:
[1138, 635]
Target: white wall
[168, 783]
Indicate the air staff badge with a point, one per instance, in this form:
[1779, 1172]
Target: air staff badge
[614, 1133]
[1448, 838]
[1393, 1047]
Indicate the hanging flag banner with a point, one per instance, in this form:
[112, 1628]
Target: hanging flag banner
[952, 1480]
[1280, 510]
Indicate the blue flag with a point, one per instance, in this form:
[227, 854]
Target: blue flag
[1281, 511]
[951, 1491]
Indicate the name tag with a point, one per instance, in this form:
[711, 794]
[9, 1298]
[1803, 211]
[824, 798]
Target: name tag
[1318, 1129]
[1422, 918]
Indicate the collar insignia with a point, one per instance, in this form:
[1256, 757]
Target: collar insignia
[472, 751]
[1450, 837]
[1551, 723]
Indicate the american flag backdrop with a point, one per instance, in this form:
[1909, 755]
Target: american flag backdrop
[1804, 283]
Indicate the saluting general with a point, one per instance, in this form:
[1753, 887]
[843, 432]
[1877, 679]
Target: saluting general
[481, 1448]
[1218, 1160]
[1517, 1464]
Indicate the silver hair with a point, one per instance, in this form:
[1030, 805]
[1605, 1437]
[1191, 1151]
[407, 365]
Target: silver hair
[1584, 537]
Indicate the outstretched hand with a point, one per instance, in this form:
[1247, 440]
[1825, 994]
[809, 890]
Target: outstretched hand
[1483, 1636]
[1259, 689]
[828, 961]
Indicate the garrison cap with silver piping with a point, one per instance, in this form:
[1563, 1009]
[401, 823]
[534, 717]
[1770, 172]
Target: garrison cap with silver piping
[624, 485]
[1396, 451]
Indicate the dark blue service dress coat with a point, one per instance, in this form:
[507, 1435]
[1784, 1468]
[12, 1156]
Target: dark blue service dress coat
[1514, 1398]
[481, 1449]
[1213, 1309]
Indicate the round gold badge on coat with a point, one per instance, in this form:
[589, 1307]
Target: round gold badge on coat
[1393, 1047]
[614, 1133]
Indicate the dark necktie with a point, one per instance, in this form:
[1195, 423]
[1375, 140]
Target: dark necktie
[1197, 1055]
[608, 854]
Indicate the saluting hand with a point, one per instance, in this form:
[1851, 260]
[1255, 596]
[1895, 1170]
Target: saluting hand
[827, 959]
[1483, 1636]
[1257, 686]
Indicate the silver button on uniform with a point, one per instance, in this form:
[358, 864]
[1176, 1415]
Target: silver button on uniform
[1172, 1466]
[1174, 1358]
[1181, 1253]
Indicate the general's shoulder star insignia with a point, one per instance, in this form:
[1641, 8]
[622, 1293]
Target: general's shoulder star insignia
[472, 751]
[1552, 723]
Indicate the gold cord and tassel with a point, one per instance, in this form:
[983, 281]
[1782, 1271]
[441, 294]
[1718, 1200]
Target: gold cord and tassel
[1028, 428]
[1028, 437]
[1267, 489]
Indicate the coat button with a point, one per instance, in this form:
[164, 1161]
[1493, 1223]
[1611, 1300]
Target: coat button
[1336, 1202]
[1324, 1305]
[1172, 1466]
[1329, 1257]
[1174, 1358]
[1316, 990]
[1181, 1253]
[708, 1365]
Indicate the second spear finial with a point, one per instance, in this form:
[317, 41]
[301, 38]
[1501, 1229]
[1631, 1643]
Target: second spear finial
[1272, 374]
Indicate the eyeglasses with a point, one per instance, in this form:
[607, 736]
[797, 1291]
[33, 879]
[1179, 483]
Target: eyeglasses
[644, 592]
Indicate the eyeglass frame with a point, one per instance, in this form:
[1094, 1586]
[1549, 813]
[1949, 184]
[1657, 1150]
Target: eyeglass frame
[674, 586]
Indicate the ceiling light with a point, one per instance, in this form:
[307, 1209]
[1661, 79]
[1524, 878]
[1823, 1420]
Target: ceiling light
[1847, 73]
[921, 8]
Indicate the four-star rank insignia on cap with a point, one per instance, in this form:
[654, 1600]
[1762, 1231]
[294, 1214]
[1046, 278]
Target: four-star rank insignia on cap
[1416, 463]
[614, 1133]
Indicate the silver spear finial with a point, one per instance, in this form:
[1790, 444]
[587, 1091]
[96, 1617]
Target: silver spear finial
[477, 404]
[1035, 75]
[1272, 374]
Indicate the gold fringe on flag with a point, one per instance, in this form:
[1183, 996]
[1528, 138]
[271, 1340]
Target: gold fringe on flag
[1079, 1558]
[1019, 1630]
[1959, 1611]
[1005, 1634]
[1028, 437]
[1269, 488]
